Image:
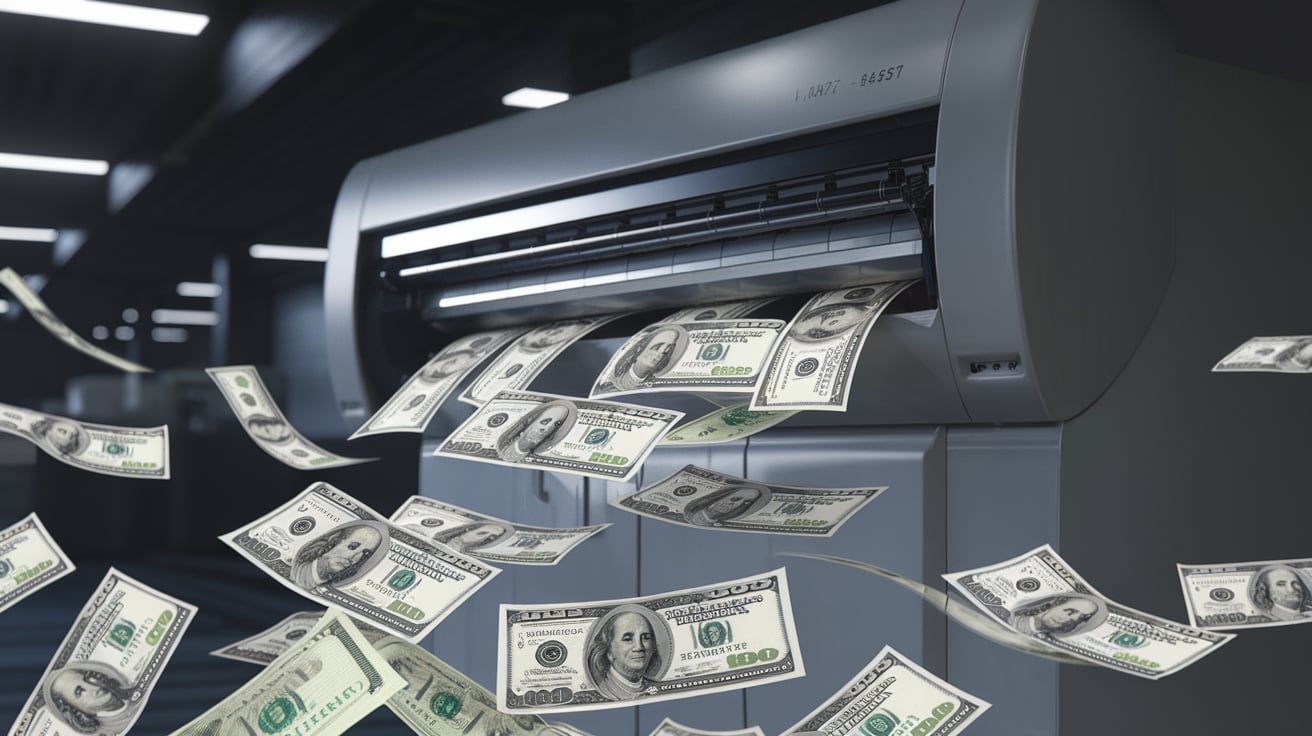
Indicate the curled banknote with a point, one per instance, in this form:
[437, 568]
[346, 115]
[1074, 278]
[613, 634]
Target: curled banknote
[265, 423]
[102, 674]
[338, 552]
[696, 357]
[698, 497]
[813, 364]
[602, 439]
[127, 452]
[724, 425]
[1244, 595]
[607, 654]
[893, 695]
[29, 560]
[668, 727]
[413, 406]
[325, 684]
[55, 326]
[273, 642]
[487, 537]
[717, 311]
[1038, 595]
[516, 367]
[1270, 354]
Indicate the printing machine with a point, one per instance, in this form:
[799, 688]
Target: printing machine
[1015, 155]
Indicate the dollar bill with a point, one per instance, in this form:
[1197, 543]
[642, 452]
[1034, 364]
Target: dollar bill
[127, 452]
[668, 727]
[273, 642]
[1246, 595]
[55, 326]
[698, 357]
[487, 537]
[703, 498]
[812, 365]
[1038, 595]
[607, 654]
[602, 439]
[325, 684]
[340, 553]
[890, 695]
[265, 423]
[412, 407]
[29, 560]
[724, 425]
[102, 673]
[718, 311]
[1270, 354]
[516, 367]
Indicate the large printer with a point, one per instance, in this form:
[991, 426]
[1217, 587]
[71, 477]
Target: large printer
[1016, 155]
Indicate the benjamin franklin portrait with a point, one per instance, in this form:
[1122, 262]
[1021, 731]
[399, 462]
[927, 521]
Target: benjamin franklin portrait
[1062, 614]
[628, 651]
[649, 357]
[449, 364]
[61, 435]
[537, 431]
[90, 697]
[473, 536]
[341, 555]
[726, 503]
[270, 429]
[1281, 592]
[544, 337]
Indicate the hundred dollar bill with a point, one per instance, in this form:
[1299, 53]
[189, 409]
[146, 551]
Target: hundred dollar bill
[340, 553]
[412, 407]
[273, 642]
[602, 439]
[265, 423]
[606, 654]
[1270, 354]
[724, 425]
[487, 537]
[129, 452]
[102, 674]
[516, 367]
[29, 560]
[700, 357]
[718, 311]
[813, 363]
[698, 497]
[890, 695]
[325, 684]
[55, 326]
[1245, 595]
[1038, 595]
[668, 727]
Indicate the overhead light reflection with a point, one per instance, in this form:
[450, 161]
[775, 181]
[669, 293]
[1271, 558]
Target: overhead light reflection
[111, 14]
[56, 164]
[184, 317]
[534, 98]
[199, 289]
[270, 252]
[29, 234]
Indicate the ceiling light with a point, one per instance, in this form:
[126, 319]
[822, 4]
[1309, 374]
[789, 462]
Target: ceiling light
[533, 97]
[53, 163]
[29, 234]
[184, 317]
[200, 289]
[100, 332]
[111, 14]
[131, 315]
[168, 334]
[124, 333]
[4, 306]
[288, 253]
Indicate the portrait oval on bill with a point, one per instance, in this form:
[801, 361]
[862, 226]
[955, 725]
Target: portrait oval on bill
[1296, 357]
[473, 536]
[537, 431]
[1060, 614]
[629, 651]
[61, 435]
[651, 356]
[1282, 592]
[274, 430]
[548, 336]
[831, 320]
[90, 697]
[341, 555]
[724, 504]
[450, 364]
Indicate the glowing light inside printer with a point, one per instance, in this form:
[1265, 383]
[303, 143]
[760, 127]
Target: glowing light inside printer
[487, 296]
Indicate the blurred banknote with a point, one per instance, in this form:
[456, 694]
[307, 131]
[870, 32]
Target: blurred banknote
[892, 695]
[128, 452]
[103, 672]
[697, 357]
[717, 311]
[29, 560]
[813, 364]
[487, 537]
[1270, 354]
[55, 326]
[516, 367]
[607, 654]
[1038, 595]
[1242, 595]
[265, 423]
[703, 498]
[725, 425]
[273, 642]
[602, 439]
[322, 686]
[336, 551]
[668, 727]
[412, 407]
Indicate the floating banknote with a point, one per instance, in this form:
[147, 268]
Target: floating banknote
[325, 684]
[602, 439]
[668, 727]
[487, 537]
[698, 357]
[698, 497]
[274, 641]
[1270, 354]
[412, 407]
[103, 672]
[891, 695]
[725, 425]
[526, 358]
[266, 424]
[1243, 595]
[29, 560]
[1039, 595]
[336, 551]
[128, 452]
[813, 363]
[55, 326]
[605, 654]
[718, 311]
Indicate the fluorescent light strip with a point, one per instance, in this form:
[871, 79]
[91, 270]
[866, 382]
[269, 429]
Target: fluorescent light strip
[199, 289]
[269, 252]
[184, 317]
[4, 306]
[168, 334]
[53, 163]
[490, 257]
[534, 98]
[29, 234]
[111, 14]
[487, 296]
[124, 333]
